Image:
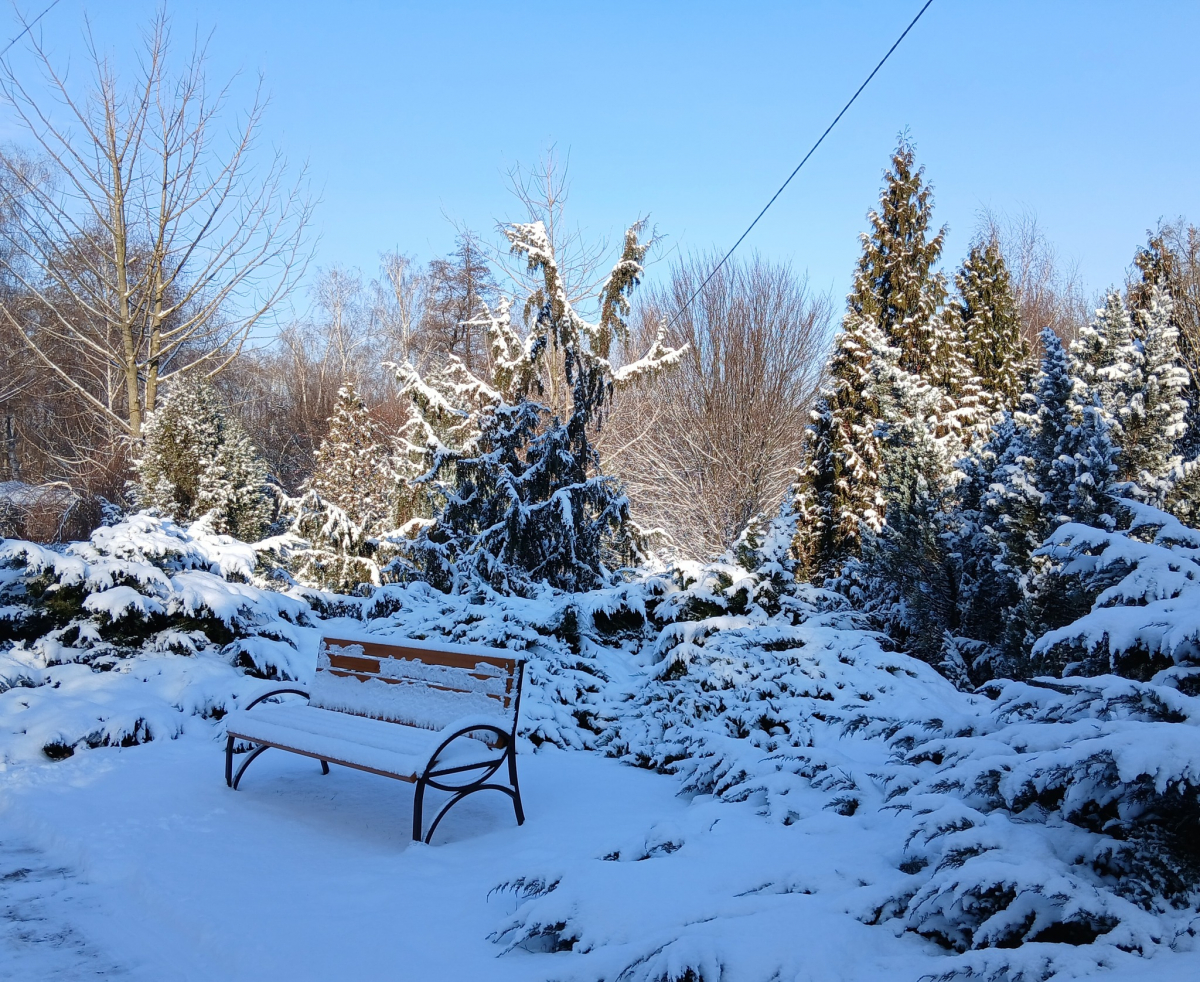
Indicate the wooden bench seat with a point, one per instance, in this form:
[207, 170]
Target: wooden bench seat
[441, 716]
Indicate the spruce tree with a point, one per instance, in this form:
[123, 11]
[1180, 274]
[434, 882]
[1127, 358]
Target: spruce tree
[525, 501]
[1166, 269]
[1058, 411]
[991, 326]
[1058, 465]
[196, 460]
[1106, 359]
[994, 531]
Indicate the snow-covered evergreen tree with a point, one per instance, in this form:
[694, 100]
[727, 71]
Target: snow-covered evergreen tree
[525, 500]
[1058, 412]
[894, 307]
[196, 460]
[354, 496]
[1154, 416]
[839, 487]
[907, 578]
[987, 311]
[1105, 357]
[353, 467]
[896, 286]
[1034, 474]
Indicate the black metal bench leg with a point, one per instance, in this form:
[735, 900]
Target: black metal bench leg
[418, 801]
[324, 767]
[229, 761]
[512, 779]
[237, 778]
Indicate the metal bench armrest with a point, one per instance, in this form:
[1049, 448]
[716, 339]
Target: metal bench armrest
[275, 692]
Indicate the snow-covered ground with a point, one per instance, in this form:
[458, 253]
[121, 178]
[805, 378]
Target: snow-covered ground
[808, 805]
[139, 863]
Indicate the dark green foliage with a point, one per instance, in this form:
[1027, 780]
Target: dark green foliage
[991, 325]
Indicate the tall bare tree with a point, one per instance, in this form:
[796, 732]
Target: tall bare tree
[711, 443]
[151, 243]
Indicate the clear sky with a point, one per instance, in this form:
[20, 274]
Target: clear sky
[409, 115]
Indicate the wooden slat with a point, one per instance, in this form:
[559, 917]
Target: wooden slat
[430, 656]
[342, 673]
[352, 663]
[371, 668]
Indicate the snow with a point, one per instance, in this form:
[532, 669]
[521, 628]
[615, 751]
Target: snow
[823, 807]
[142, 862]
[381, 746]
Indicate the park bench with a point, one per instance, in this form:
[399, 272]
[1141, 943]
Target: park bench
[438, 716]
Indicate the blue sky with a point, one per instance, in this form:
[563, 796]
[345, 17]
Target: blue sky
[409, 115]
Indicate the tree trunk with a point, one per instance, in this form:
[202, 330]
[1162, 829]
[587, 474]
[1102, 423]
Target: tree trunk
[10, 445]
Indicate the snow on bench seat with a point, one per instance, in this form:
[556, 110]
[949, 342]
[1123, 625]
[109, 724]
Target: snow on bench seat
[356, 741]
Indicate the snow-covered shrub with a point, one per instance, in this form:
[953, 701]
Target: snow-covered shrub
[576, 646]
[145, 584]
[750, 688]
[144, 600]
[1143, 583]
[1068, 814]
[197, 460]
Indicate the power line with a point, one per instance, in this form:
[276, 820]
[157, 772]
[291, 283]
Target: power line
[29, 27]
[750, 228]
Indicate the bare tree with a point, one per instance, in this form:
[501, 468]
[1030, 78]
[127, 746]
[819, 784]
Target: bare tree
[1049, 291]
[285, 393]
[711, 443]
[151, 244]
[397, 305]
[542, 193]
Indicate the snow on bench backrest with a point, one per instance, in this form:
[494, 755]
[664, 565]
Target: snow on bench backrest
[407, 683]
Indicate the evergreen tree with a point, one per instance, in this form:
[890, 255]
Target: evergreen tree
[1154, 419]
[995, 530]
[839, 487]
[1031, 476]
[991, 325]
[526, 503]
[353, 498]
[1058, 411]
[910, 576]
[1106, 359]
[196, 460]
[1164, 267]
[962, 415]
[896, 287]
[892, 312]
[352, 468]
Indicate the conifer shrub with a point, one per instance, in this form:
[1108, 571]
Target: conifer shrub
[197, 461]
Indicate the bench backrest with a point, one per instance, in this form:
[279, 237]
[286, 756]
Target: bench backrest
[407, 682]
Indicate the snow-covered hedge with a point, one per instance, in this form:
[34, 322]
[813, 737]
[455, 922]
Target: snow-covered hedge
[115, 640]
[1010, 827]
